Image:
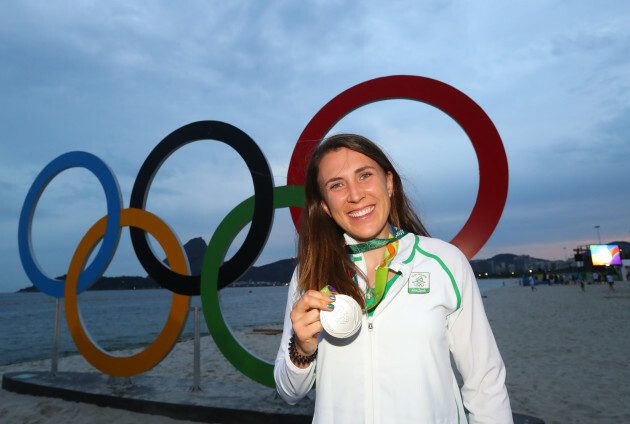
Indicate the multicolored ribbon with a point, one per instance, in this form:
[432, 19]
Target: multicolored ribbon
[377, 243]
[329, 290]
[373, 296]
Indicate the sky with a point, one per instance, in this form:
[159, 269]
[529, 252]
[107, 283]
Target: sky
[114, 78]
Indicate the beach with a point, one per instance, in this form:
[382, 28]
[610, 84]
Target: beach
[565, 352]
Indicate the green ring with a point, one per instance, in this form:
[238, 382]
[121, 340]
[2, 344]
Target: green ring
[246, 362]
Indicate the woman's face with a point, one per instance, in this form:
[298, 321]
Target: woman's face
[356, 193]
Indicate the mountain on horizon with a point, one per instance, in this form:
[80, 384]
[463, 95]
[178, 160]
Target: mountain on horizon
[275, 272]
[510, 257]
[195, 250]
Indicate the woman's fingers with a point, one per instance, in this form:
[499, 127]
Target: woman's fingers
[309, 332]
[305, 318]
[306, 309]
[313, 299]
[310, 320]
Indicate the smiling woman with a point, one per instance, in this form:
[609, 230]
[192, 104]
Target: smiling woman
[348, 175]
[362, 248]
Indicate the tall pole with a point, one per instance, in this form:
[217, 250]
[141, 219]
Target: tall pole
[55, 350]
[598, 237]
[196, 387]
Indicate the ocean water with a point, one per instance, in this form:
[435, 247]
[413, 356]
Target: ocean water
[127, 319]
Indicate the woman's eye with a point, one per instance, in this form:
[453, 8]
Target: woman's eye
[334, 186]
[365, 175]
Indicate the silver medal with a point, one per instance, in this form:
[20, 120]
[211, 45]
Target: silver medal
[343, 321]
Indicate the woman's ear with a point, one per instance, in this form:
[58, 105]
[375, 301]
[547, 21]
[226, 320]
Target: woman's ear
[325, 208]
[390, 183]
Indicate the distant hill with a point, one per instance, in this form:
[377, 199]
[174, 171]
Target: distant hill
[195, 250]
[624, 246]
[111, 283]
[507, 263]
[276, 272]
[512, 258]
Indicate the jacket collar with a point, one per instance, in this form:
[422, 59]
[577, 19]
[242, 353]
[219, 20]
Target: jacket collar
[406, 246]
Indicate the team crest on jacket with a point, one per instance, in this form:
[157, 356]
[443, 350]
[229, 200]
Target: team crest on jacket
[419, 283]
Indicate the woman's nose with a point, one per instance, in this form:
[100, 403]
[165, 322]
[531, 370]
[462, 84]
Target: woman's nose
[355, 193]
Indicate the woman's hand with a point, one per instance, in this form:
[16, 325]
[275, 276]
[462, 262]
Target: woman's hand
[305, 319]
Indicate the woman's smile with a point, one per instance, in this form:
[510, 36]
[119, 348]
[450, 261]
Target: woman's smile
[362, 212]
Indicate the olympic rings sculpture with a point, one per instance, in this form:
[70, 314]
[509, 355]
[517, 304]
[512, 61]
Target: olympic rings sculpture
[258, 209]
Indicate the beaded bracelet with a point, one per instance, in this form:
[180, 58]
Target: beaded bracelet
[296, 358]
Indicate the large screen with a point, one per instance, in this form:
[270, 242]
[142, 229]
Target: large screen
[605, 254]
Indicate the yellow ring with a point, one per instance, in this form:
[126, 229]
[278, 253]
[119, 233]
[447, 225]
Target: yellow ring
[143, 361]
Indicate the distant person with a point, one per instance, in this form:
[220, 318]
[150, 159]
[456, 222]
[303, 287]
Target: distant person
[611, 282]
[413, 301]
[532, 282]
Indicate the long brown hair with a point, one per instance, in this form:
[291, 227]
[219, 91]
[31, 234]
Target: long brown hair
[322, 254]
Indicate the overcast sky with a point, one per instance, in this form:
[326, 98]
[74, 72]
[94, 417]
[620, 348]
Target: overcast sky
[114, 78]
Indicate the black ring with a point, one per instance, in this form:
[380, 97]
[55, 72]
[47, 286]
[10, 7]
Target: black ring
[263, 204]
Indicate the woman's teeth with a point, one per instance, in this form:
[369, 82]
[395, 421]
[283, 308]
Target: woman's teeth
[362, 212]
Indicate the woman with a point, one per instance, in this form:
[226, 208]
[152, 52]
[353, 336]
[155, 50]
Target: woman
[419, 298]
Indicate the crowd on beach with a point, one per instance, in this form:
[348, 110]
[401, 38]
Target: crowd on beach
[575, 278]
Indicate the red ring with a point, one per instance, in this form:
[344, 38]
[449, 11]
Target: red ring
[493, 167]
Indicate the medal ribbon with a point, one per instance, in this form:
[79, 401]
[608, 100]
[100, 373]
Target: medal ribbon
[374, 296]
[329, 290]
[376, 243]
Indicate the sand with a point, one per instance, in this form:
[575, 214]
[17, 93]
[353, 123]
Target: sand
[566, 353]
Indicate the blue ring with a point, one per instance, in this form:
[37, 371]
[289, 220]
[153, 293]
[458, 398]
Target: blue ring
[109, 183]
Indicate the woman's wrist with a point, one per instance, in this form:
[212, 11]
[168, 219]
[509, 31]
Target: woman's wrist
[298, 356]
[300, 350]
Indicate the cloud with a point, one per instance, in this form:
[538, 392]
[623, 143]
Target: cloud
[115, 78]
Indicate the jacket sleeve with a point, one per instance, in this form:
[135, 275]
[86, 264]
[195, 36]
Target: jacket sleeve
[476, 353]
[292, 383]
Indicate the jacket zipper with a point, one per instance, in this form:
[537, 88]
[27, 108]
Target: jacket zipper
[372, 419]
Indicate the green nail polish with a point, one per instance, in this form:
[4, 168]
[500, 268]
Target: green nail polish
[332, 297]
[331, 306]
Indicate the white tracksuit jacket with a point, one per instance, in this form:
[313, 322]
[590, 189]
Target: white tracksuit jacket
[397, 368]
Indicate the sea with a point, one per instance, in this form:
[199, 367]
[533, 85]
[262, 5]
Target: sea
[124, 319]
